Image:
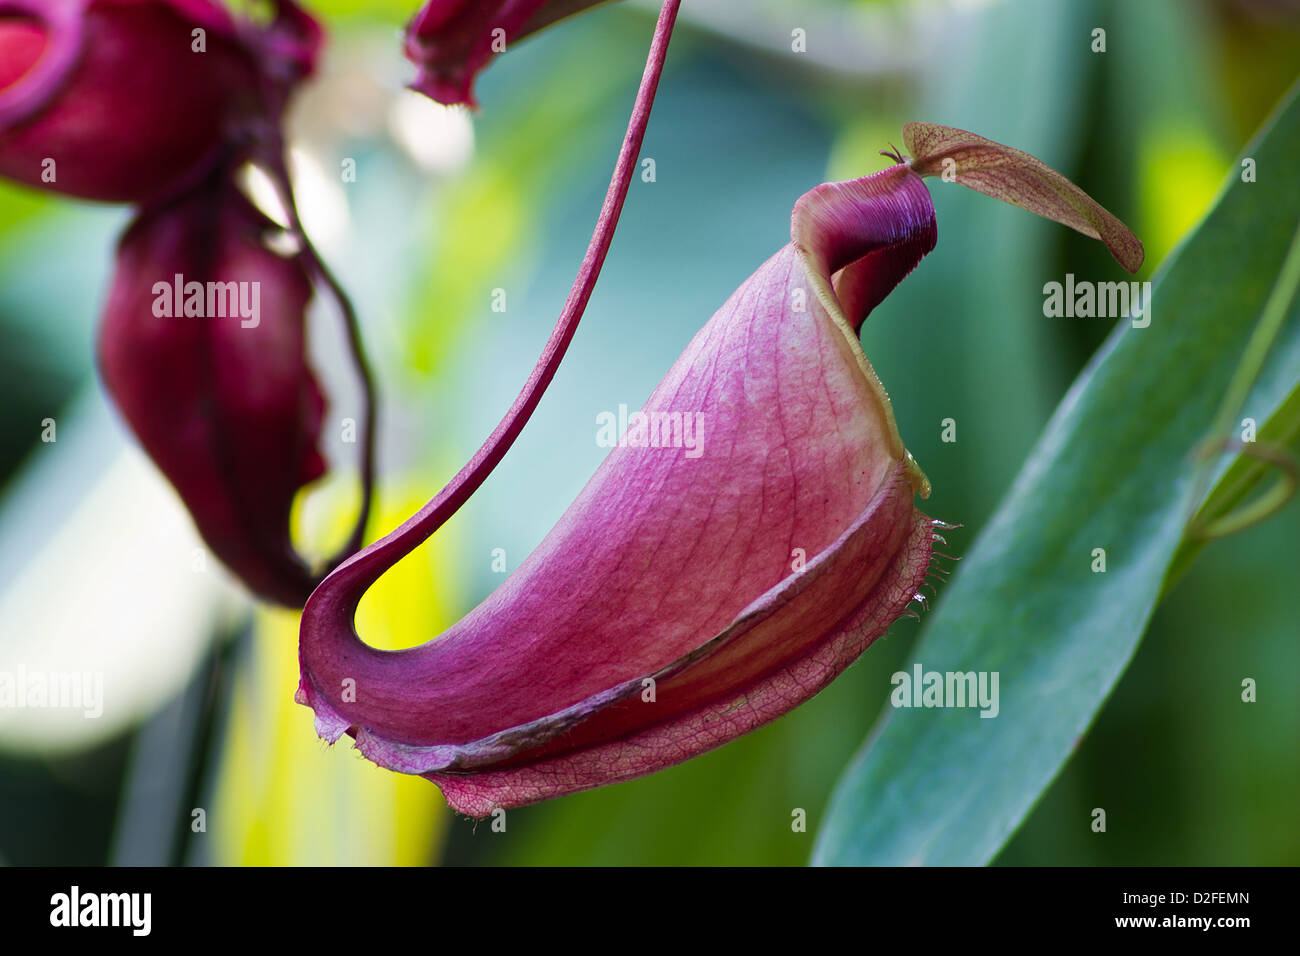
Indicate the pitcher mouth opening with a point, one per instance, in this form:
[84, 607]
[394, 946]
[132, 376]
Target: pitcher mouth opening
[40, 41]
[23, 42]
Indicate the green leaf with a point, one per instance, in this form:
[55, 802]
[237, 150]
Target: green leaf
[1115, 470]
[1241, 480]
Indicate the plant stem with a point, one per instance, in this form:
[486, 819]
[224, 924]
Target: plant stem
[1262, 338]
[356, 346]
[1261, 342]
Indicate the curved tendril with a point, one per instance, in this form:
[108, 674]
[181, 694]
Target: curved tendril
[354, 576]
[356, 346]
[270, 149]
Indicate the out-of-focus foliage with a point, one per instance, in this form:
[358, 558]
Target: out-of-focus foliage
[282, 797]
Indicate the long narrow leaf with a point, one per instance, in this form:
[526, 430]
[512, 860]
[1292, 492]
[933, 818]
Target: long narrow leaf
[1114, 470]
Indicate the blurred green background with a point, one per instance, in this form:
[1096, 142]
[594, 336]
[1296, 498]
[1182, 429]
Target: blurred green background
[97, 568]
